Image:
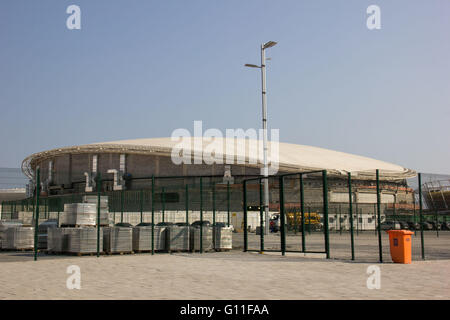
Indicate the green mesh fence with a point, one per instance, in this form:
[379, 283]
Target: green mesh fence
[190, 199]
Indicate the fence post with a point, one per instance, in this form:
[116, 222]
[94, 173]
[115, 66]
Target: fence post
[309, 220]
[380, 245]
[187, 203]
[214, 202]
[337, 220]
[340, 220]
[58, 204]
[201, 215]
[141, 202]
[421, 216]
[375, 210]
[36, 216]
[261, 213]
[153, 215]
[325, 212]
[99, 187]
[437, 222]
[282, 217]
[214, 211]
[121, 206]
[163, 199]
[394, 211]
[245, 216]
[302, 210]
[228, 203]
[350, 210]
[295, 222]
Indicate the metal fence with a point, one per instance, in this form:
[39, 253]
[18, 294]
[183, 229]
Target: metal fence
[307, 216]
[292, 220]
[344, 229]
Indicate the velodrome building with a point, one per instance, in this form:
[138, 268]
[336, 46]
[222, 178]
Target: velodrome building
[131, 164]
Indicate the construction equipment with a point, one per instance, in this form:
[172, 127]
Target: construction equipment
[312, 221]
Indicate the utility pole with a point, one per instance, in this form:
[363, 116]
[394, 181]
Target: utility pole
[265, 172]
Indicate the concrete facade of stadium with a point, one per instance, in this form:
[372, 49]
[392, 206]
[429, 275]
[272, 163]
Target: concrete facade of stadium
[130, 165]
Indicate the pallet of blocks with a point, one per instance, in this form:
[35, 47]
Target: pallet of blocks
[94, 199]
[79, 214]
[206, 236]
[4, 226]
[20, 238]
[142, 238]
[25, 216]
[223, 238]
[84, 241]
[104, 208]
[118, 239]
[58, 240]
[43, 232]
[178, 238]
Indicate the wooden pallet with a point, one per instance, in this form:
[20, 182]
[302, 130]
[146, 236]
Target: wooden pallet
[53, 252]
[119, 253]
[148, 251]
[222, 250]
[19, 250]
[82, 226]
[80, 254]
[178, 251]
[142, 251]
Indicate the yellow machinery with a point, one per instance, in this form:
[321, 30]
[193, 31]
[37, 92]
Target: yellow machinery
[295, 218]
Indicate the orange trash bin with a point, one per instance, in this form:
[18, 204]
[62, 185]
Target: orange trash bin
[400, 243]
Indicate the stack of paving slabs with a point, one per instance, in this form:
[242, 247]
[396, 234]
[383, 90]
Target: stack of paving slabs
[25, 216]
[84, 240]
[43, 232]
[104, 208]
[94, 199]
[207, 236]
[118, 239]
[223, 238]
[20, 238]
[178, 238]
[58, 239]
[4, 226]
[79, 214]
[142, 238]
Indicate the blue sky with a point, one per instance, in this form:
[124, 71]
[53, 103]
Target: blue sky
[141, 69]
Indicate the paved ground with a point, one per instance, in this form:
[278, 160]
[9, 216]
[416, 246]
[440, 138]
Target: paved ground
[366, 244]
[238, 275]
[231, 275]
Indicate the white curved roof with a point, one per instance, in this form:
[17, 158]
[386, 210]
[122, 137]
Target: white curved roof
[292, 157]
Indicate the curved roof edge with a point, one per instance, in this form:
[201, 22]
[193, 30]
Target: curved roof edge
[292, 157]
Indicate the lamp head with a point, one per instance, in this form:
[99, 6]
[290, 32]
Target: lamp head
[269, 44]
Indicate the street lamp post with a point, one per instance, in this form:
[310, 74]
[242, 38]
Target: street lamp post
[264, 46]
